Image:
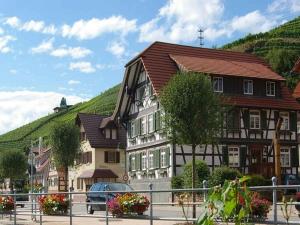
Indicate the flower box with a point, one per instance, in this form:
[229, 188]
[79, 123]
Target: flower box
[6, 204]
[55, 204]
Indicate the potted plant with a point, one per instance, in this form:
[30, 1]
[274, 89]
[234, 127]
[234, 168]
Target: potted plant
[55, 204]
[260, 207]
[6, 204]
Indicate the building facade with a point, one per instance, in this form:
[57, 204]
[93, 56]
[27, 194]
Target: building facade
[258, 97]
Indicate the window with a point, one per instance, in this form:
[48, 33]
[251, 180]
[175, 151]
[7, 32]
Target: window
[133, 162]
[218, 84]
[254, 120]
[111, 157]
[248, 87]
[285, 157]
[114, 134]
[144, 161]
[132, 129]
[107, 133]
[234, 156]
[143, 125]
[285, 120]
[270, 88]
[151, 160]
[163, 159]
[140, 94]
[150, 123]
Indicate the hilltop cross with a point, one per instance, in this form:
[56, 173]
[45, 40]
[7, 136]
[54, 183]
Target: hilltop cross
[201, 37]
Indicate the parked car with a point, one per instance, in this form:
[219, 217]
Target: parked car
[291, 180]
[100, 197]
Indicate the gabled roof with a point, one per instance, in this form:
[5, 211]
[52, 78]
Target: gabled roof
[296, 93]
[91, 124]
[161, 67]
[296, 68]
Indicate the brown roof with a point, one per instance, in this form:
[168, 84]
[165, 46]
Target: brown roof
[296, 67]
[226, 67]
[161, 67]
[91, 124]
[296, 93]
[98, 173]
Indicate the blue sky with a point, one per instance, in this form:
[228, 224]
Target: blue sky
[77, 49]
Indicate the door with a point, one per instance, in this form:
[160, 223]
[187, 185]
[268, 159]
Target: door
[258, 161]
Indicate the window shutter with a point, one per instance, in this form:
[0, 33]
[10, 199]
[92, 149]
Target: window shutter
[138, 127]
[106, 157]
[117, 157]
[263, 115]
[276, 117]
[157, 159]
[167, 150]
[246, 118]
[129, 130]
[225, 155]
[157, 120]
[294, 157]
[129, 164]
[138, 161]
[243, 156]
[293, 121]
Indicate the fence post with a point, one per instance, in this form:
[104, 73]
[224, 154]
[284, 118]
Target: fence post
[70, 205]
[151, 205]
[15, 207]
[106, 205]
[274, 180]
[40, 209]
[204, 191]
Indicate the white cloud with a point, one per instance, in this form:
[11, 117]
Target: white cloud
[89, 29]
[20, 107]
[75, 53]
[4, 41]
[116, 48]
[45, 46]
[84, 67]
[13, 71]
[13, 21]
[71, 82]
[284, 5]
[33, 25]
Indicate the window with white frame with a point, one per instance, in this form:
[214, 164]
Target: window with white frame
[285, 157]
[233, 156]
[270, 88]
[254, 120]
[163, 159]
[143, 125]
[151, 160]
[285, 120]
[248, 87]
[133, 162]
[144, 161]
[218, 84]
[132, 129]
[150, 123]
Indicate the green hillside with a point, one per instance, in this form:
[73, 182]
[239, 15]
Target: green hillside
[286, 36]
[21, 137]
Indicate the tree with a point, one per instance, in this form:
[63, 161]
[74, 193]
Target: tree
[13, 165]
[193, 113]
[64, 141]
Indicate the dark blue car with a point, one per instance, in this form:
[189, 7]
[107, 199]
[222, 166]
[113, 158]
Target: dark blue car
[100, 197]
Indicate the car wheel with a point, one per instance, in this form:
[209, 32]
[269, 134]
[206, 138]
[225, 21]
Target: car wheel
[89, 209]
[22, 206]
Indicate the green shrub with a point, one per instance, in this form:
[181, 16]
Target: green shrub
[258, 180]
[202, 173]
[177, 182]
[219, 175]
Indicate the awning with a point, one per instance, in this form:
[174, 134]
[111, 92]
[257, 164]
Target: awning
[98, 173]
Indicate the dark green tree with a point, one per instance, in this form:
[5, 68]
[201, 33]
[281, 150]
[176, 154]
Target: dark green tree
[193, 112]
[13, 165]
[64, 141]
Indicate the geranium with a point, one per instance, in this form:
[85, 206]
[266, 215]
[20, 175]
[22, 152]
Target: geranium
[6, 203]
[260, 207]
[54, 204]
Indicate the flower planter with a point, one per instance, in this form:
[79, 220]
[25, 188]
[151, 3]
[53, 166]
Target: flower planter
[56, 204]
[7, 205]
[139, 209]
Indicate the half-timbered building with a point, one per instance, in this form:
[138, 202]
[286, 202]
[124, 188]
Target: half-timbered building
[258, 97]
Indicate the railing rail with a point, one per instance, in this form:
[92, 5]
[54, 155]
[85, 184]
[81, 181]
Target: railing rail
[35, 211]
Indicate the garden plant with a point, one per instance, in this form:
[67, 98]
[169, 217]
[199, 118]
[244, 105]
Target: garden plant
[55, 204]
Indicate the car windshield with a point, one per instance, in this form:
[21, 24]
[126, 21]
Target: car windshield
[119, 187]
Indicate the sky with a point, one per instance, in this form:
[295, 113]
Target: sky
[78, 49]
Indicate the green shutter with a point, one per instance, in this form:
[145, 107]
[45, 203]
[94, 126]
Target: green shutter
[129, 163]
[167, 150]
[225, 155]
[157, 159]
[243, 156]
[138, 161]
[138, 127]
[294, 157]
[246, 118]
[293, 121]
[157, 120]
[263, 117]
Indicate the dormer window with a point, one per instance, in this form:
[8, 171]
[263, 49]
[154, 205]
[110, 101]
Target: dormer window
[110, 133]
[218, 84]
[248, 87]
[270, 88]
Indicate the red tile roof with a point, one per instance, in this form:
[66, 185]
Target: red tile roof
[296, 67]
[226, 67]
[296, 93]
[91, 124]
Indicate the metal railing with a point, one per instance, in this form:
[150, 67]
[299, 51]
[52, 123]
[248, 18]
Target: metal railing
[35, 211]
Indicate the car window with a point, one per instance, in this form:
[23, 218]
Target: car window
[119, 187]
